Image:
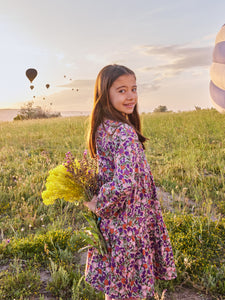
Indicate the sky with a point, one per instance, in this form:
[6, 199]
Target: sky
[168, 44]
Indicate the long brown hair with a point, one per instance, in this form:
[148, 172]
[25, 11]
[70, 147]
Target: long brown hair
[103, 108]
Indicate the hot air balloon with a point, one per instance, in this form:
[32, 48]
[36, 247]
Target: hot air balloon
[43, 98]
[31, 74]
[217, 72]
[77, 90]
[33, 96]
[31, 87]
[47, 85]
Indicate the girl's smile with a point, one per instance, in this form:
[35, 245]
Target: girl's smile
[123, 94]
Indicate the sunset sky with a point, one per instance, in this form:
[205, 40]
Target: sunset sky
[168, 44]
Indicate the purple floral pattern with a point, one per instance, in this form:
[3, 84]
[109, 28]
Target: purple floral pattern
[139, 249]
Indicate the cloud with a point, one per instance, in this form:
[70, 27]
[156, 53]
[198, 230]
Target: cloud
[146, 87]
[80, 83]
[168, 61]
[60, 56]
[180, 58]
[92, 57]
[210, 37]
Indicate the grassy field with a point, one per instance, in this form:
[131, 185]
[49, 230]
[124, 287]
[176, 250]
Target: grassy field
[186, 152]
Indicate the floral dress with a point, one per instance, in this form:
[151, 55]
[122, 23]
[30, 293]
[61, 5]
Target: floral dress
[139, 249]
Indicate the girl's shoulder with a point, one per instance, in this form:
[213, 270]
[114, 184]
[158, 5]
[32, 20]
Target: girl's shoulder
[118, 129]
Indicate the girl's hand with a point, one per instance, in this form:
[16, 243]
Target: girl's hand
[92, 204]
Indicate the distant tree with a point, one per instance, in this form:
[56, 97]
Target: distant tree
[28, 111]
[197, 108]
[161, 108]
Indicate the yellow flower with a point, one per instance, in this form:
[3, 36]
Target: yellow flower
[60, 185]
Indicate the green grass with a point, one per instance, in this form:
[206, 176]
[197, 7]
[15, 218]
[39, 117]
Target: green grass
[186, 152]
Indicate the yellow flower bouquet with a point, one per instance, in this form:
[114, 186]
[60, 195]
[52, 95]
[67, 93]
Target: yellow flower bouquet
[77, 181]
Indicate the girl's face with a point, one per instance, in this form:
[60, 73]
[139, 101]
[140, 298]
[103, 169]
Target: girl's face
[123, 94]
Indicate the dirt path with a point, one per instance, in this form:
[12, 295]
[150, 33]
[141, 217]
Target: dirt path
[188, 294]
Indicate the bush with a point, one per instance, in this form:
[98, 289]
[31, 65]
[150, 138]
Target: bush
[161, 108]
[68, 282]
[28, 112]
[19, 281]
[199, 249]
[43, 246]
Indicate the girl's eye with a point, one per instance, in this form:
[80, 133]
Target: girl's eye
[134, 89]
[122, 91]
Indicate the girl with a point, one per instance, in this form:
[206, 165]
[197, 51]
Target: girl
[139, 249]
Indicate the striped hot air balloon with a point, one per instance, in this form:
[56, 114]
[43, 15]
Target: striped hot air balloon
[217, 72]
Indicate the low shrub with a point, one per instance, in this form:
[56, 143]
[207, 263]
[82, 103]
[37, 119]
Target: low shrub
[19, 281]
[68, 282]
[28, 111]
[41, 247]
[199, 249]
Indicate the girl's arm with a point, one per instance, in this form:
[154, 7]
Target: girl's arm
[113, 194]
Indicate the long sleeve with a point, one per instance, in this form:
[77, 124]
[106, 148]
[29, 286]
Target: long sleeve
[139, 249]
[113, 194]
